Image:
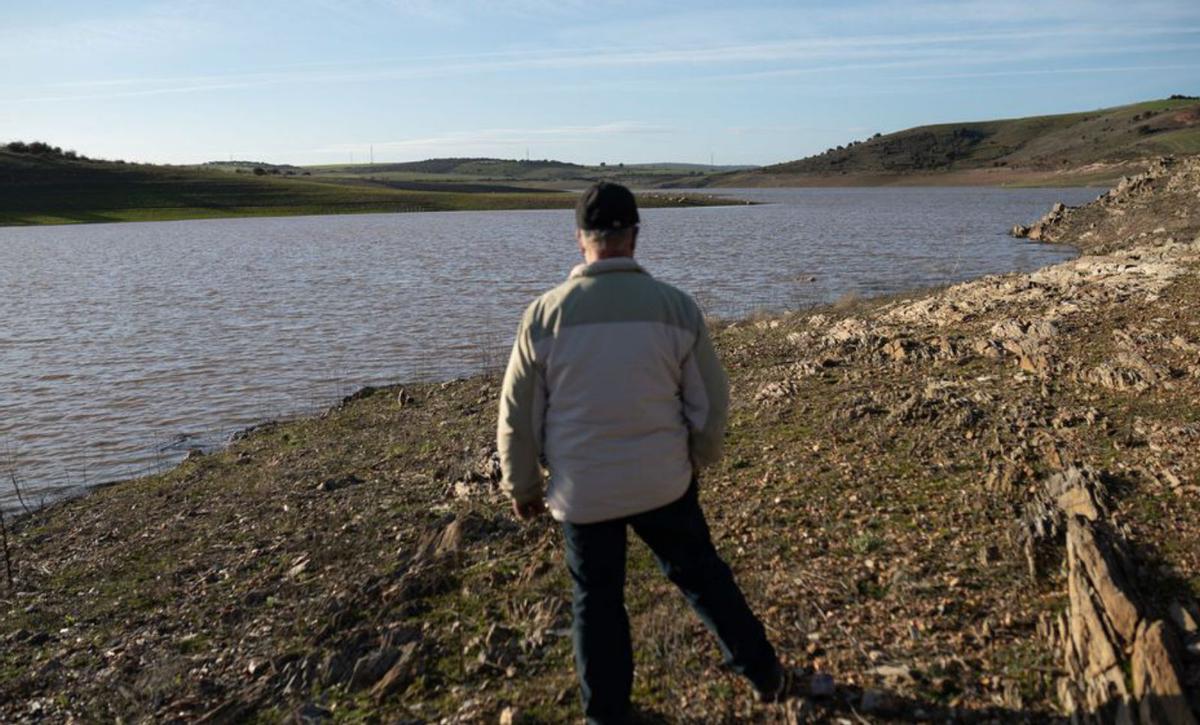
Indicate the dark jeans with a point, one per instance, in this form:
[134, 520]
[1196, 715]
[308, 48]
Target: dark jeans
[679, 538]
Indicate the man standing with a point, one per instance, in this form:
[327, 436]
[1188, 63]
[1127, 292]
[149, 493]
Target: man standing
[613, 383]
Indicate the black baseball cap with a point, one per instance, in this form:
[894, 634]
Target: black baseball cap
[605, 207]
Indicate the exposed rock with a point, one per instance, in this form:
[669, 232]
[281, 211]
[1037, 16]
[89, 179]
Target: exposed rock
[1156, 682]
[1104, 631]
[398, 675]
[1104, 580]
[1128, 371]
[1185, 619]
[371, 667]
[894, 674]
[776, 391]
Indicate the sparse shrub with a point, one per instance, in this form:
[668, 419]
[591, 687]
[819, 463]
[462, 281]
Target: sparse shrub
[259, 171]
[34, 148]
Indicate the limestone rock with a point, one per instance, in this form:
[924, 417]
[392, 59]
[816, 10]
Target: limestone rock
[1156, 682]
[371, 667]
[1094, 559]
[398, 675]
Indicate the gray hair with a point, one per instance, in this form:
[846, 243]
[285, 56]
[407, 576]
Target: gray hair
[609, 238]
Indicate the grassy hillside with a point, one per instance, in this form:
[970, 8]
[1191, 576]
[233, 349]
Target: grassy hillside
[539, 174]
[1090, 146]
[51, 188]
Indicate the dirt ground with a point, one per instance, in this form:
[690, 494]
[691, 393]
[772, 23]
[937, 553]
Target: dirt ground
[875, 502]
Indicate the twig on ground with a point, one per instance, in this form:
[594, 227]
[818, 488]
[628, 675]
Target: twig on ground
[12, 476]
[8, 570]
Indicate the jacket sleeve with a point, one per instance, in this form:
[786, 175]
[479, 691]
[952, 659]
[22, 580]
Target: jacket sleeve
[519, 429]
[705, 400]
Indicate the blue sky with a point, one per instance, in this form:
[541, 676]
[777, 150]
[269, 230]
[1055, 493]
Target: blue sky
[321, 81]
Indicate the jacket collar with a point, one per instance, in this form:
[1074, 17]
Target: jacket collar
[604, 266]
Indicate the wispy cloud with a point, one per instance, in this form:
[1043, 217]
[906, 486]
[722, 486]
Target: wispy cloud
[1052, 71]
[127, 77]
[964, 56]
[817, 55]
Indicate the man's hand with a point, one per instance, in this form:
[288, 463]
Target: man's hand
[529, 510]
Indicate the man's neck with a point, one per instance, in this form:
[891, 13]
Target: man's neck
[595, 255]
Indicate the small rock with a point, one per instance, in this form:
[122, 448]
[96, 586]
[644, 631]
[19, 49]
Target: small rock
[894, 673]
[371, 668]
[403, 399]
[989, 554]
[312, 712]
[339, 482]
[1183, 619]
[398, 675]
[298, 567]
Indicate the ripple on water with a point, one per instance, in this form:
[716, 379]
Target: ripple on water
[118, 339]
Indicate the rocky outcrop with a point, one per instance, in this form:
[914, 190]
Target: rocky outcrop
[1107, 630]
[1038, 229]
[1142, 207]
[1124, 658]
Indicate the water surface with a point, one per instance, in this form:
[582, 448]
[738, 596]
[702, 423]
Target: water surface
[123, 345]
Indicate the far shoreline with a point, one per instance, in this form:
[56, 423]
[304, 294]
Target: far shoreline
[550, 200]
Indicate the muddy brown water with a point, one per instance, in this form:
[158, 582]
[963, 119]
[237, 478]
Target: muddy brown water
[122, 346]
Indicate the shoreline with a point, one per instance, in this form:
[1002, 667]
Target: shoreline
[1093, 175]
[775, 305]
[422, 202]
[83, 490]
[884, 458]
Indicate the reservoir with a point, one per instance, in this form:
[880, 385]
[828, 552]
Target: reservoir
[123, 346]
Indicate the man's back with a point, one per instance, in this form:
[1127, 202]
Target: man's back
[613, 383]
[630, 391]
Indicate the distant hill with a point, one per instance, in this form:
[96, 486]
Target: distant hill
[1070, 148]
[43, 184]
[542, 174]
[50, 186]
[465, 167]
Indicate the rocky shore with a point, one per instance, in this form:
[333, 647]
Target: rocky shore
[979, 503]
